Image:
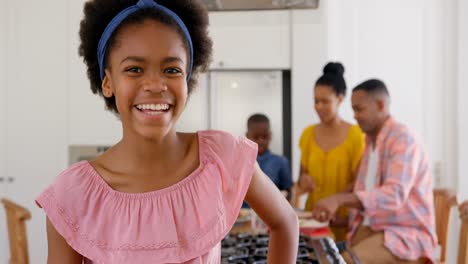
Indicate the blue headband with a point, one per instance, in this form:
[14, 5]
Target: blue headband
[120, 17]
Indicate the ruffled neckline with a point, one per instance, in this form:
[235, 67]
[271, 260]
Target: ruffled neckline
[144, 195]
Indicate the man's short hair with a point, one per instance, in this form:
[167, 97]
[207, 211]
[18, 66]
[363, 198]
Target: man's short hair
[373, 86]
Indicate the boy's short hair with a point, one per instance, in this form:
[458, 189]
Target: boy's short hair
[257, 118]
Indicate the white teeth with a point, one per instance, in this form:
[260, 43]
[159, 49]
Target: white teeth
[154, 113]
[153, 107]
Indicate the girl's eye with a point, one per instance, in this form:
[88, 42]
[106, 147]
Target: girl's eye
[134, 70]
[173, 71]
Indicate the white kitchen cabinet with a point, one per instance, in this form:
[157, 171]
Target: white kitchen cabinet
[251, 40]
[224, 100]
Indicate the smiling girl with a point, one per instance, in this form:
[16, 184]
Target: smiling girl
[157, 195]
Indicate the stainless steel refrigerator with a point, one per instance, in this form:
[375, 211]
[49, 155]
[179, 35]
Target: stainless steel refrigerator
[225, 99]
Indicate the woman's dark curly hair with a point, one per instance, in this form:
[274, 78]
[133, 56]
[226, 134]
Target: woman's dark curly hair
[98, 13]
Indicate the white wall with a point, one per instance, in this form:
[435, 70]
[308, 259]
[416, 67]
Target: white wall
[308, 55]
[448, 88]
[435, 92]
[3, 83]
[402, 43]
[380, 46]
[36, 106]
[3, 151]
[460, 26]
[453, 94]
[462, 95]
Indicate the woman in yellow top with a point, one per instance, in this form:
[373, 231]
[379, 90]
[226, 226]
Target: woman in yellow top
[330, 150]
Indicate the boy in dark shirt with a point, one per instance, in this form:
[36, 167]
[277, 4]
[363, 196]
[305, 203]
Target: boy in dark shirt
[274, 166]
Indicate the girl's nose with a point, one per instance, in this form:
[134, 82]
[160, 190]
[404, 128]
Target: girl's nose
[155, 83]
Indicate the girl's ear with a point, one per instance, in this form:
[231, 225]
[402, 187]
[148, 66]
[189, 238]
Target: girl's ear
[106, 86]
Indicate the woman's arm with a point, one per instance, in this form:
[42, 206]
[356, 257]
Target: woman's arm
[59, 251]
[305, 181]
[266, 200]
[350, 186]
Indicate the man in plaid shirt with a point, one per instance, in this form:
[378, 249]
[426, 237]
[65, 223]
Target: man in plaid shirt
[392, 212]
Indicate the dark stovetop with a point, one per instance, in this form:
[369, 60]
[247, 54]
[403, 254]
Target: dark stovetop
[245, 248]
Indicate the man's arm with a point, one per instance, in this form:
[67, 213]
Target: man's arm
[325, 209]
[399, 179]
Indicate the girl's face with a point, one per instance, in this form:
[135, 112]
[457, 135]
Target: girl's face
[326, 103]
[147, 71]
